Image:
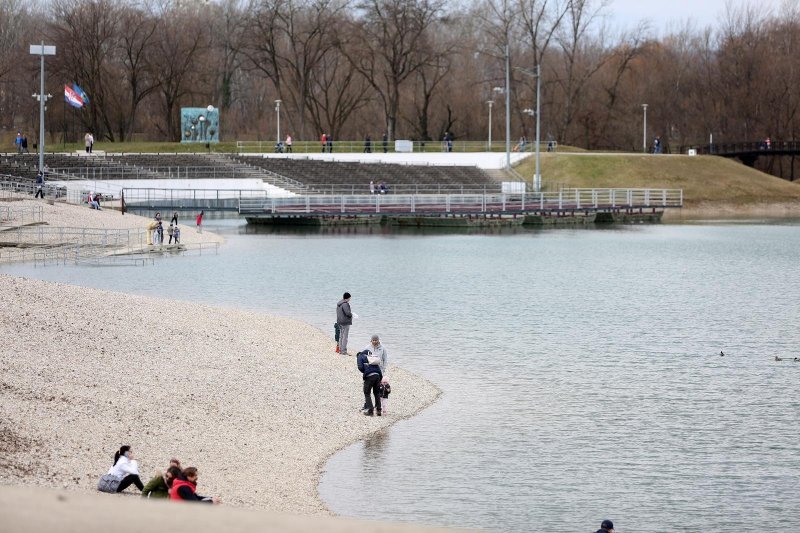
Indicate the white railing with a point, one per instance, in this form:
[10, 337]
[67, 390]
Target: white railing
[564, 200]
[20, 215]
[376, 146]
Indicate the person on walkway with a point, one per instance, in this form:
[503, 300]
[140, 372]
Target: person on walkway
[184, 488]
[39, 185]
[159, 485]
[324, 140]
[18, 142]
[25, 144]
[369, 364]
[368, 145]
[171, 232]
[607, 526]
[200, 222]
[344, 317]
[385, 143]
[383, 187]
[329, 140]
[288, 143]
[87, 140]
[371, 187]
[177, 235]
[122, 474]
[174, 219]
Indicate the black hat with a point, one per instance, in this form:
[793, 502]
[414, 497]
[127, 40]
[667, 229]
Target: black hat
[607, 524]
[346, 295]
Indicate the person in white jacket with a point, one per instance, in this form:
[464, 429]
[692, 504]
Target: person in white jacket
[126, 469]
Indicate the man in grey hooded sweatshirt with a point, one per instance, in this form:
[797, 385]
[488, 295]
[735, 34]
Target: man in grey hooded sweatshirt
[344, 317]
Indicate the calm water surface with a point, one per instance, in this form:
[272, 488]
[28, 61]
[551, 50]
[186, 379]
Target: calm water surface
[580, 369]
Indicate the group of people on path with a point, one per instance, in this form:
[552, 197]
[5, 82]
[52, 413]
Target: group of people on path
[21, 143]
[380, 188]
[175, 483]
[372, 361]
[174, 232]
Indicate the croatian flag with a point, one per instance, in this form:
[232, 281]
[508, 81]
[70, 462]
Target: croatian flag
[72, 98]
[80, 92]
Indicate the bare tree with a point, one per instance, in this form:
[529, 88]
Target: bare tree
[386, 45]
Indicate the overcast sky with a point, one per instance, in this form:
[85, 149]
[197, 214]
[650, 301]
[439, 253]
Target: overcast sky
[661, 13]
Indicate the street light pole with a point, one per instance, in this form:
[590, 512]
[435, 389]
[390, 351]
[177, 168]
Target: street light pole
[644, 129]
[491, 103]
[42, 50]
[508, 111]
[278, 109]
[538, 177]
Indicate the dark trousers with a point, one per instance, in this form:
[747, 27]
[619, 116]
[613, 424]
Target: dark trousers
[39, 194]
[129, 480]
[371, 384]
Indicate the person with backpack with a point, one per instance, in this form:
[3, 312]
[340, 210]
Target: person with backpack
[39, 185]
[344, 317]
[371, 362]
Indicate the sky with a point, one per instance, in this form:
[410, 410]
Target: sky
[662, 13]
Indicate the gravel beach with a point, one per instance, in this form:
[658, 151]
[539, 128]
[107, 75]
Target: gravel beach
[256, 402]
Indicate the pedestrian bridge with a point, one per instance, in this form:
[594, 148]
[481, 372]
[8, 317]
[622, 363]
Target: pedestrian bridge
[747, 152]
[355, 208]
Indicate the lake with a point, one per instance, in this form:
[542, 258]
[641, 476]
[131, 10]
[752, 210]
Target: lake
[580, 369]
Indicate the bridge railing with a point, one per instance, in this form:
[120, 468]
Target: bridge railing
[747, 147]
[566, 199]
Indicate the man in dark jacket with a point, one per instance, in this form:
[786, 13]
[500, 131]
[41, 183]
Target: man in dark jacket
[344, 317]
[606, 527]
[372, 380]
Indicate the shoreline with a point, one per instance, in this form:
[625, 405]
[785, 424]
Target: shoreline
[242, 414]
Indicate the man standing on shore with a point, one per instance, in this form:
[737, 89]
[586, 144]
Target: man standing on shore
[344, 317]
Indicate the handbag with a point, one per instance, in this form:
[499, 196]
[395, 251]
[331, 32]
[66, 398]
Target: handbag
[108, 483]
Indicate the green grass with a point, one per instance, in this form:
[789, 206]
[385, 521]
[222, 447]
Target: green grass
[702, 178]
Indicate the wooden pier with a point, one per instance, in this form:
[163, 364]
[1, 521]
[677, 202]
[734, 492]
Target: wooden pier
[565, 206]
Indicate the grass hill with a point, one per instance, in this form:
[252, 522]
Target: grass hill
[704, 179]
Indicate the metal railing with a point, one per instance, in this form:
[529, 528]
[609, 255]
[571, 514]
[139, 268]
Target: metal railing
[746, 147]
[13, 186]
[405, 188]
[20, 215]
[564, 200]
[349, 146]
[153, 172]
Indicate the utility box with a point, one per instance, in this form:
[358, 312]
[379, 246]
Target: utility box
[403, 146]
[513, 187]
[692, 151]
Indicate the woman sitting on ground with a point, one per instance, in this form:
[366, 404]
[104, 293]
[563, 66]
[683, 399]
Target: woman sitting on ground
[185, 487]
[124, 472]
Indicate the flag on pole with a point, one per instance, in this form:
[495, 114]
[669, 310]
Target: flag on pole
[72, 98]
[80, 92]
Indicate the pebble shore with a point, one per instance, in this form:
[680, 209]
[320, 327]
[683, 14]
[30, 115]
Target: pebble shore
[257, 402]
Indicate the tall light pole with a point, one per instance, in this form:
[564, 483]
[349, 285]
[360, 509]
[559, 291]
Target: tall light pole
[537, 177]
[41, 50]
[278, 110]
[491, 103]
[644, 129]
[508, 110]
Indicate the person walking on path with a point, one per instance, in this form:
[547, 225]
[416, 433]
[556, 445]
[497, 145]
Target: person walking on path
[344, 317]
[25, 144]
[385, 143]
[368, 145]
[606, 527]
[174, 219]
[371, 187]
[39, 185]
[288, 143]
[369, 364]
[18, 142]
[324, 140]
[200, 222]
[329, 140]
[89, 141]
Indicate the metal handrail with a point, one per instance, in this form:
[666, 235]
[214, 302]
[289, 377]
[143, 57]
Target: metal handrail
[350, 146]
[566, 199]
[21, 214]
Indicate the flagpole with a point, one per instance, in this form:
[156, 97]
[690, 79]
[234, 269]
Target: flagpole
[64, 124]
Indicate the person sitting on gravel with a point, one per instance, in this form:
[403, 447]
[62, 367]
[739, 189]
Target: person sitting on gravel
[184, 488]
[159, 486]
[94, 201]
[122, 474]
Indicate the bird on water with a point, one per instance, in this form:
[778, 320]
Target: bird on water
[778, 358]
[721, 353]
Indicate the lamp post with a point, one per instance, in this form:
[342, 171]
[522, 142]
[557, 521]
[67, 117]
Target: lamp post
[508, 110]
[41, 50]
[491, 103]
[202, 120]
[278, 110]
[537, 177]
[644, 129]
